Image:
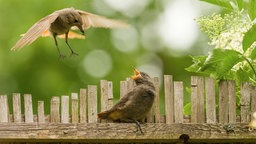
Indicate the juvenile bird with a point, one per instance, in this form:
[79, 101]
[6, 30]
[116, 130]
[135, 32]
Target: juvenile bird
[60, 22]
[135, 105]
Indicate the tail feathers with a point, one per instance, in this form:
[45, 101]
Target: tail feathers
[103, 115]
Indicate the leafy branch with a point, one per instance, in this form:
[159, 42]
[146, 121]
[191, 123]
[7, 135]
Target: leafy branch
[233, 35]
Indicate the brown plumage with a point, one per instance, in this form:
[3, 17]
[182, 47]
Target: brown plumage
[60, 22]
[136, 104]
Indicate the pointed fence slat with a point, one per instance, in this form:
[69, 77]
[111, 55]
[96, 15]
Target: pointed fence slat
[4, 109]
[210, 100]
[245, 102]
[92, 104]
[29, 118]
[75, 116]
[178, 102]
[41, 118]
[64, 109]
[55, 110]
[232, 101]
[83, 106]
[169, 100]
[16, 108]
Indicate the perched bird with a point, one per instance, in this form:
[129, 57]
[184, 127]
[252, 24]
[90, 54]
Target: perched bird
[252, 124]
[60, 22]
[135, 105]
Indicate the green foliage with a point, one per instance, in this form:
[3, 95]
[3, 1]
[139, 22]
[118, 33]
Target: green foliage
[233, 36]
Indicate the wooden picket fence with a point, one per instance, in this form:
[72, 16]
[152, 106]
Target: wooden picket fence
[73, 119]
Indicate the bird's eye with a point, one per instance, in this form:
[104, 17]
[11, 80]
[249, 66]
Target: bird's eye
[76, 21]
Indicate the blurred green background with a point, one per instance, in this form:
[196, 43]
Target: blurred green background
[161, 36]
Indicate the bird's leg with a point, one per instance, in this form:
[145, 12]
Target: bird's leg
[56, 43]
[66, 40]
[138, 126]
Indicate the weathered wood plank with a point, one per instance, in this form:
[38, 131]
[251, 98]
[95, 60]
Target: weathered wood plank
[40, 112]
[169, 100]
[4, 109]
[83, 106]
[253, 99]
[55, 110]
[157, 101]
[103, 97]
[29, 118]
[124, 132]
[16, 108]
[75, 116]
[223, 101]
[64, 109]
[178, 102]
[110, 94]
[232, 101]
[123, 88]
[197, 99]
[245, 102]
[210, 100]
[92, 104]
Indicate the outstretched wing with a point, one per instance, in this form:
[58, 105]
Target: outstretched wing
[35, 31]
[92, 20]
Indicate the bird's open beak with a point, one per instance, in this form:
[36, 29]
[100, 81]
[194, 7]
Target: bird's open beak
[80, 28]
[136, 74]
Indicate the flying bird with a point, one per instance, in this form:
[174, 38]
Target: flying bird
[135, 105]
[59, 24]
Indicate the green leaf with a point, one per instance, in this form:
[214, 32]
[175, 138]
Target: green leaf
[253, 54]
[252, 9]
[240, 4]
[249, 37]
[222, 60]
[221, 3]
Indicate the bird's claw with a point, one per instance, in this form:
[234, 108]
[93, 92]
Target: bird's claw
[73, 54]
[61, 56]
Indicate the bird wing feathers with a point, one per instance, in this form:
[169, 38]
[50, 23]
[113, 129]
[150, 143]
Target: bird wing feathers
[92, 20]
[35, 31]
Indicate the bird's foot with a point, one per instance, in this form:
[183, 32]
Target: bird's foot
[138, 127]
[73, 54]
[61, 56]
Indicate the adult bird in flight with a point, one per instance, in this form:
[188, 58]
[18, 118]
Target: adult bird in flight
[59, 24]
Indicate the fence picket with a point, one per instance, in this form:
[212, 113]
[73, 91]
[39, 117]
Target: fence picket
[4, 109]
[169, 100]
[210, 100]
[253, 99]
[197, 99]
[64, 109]
[178, 102]
[157, 101]
[74, 116]
[232, 101]
[40, 112]
[223, 101]
[29, 118]
[83, 106]
[16, 108]
[245, 102]
[92, 104]
[55, 110]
